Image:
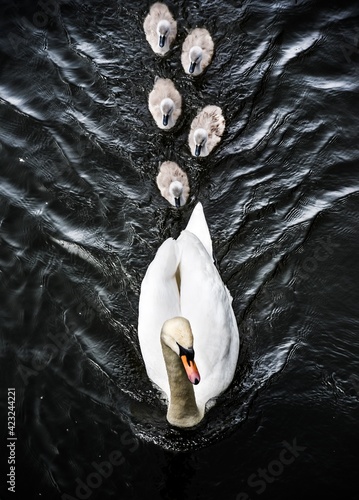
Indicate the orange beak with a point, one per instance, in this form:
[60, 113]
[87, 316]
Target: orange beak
[191, 370]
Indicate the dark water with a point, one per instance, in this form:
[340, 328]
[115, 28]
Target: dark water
[79, 156]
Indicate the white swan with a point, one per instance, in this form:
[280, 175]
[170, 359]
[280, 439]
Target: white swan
[184, 309]
[197, 51]
[160, 28]
[172, 181]
[206, 130]
[165, 103]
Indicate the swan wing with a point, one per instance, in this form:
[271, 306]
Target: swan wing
[198, 122]
[159, 301]
[205, 41]
[213, 117]
[206, 303]
[215, 125]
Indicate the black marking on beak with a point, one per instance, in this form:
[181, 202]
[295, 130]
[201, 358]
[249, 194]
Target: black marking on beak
[162, 40]
[178, 202]
[189, 353]
[192, 67]
[165, 120]
[197, 151]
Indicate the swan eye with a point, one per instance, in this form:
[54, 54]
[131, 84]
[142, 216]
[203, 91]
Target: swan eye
[189, 353]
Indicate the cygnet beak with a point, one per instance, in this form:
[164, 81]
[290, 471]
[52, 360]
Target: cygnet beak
[178, 202]
[162, 40]
[197, 151]
[165, 120]
[192, 67]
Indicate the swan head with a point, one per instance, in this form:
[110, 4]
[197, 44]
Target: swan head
[177, 335]
[163, 29]
[167, 106]
[176, 189]
[200, 137]
[195, 58]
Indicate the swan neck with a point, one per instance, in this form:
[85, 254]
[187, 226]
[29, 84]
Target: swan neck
[182, 409]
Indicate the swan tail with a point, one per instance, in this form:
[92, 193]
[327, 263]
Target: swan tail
[197, 225]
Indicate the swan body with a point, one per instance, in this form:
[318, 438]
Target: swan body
[187, 329]
[165, 103]
[160, 28]
[197, 51]
[206, 130]
[172, 181]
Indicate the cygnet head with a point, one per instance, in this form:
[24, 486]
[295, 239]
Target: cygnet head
[195, 58]
[200, 137]
[167, 106]
[176, 190]
[177, 335]
[163, 29]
